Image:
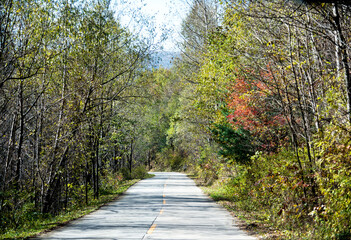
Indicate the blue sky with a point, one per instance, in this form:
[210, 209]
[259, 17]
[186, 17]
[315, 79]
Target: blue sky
[153, 18]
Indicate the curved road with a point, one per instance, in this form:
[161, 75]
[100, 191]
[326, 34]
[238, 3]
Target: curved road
[167, 206]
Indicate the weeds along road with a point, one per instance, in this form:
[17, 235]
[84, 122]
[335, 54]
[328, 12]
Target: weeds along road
[167, 206]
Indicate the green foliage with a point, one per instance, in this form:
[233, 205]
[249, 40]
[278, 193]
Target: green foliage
[209, 167]
[126, 174]
[171, 160]
[75, 70]
[138, 172]
[235, 144]
[33, 222]
[333, 212]
[233, 189]
[262, 65]
[270, 189]
[86, 112]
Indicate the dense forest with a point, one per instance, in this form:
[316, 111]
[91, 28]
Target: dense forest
[257, 105]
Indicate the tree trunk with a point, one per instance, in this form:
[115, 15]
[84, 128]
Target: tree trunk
[130, 160]
[340, 39]
[53, 193]
[20, 141]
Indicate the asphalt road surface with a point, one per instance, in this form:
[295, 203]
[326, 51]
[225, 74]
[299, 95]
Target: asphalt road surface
[167, 206]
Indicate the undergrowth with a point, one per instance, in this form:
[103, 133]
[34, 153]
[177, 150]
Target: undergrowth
[276, 199]
[36, 223]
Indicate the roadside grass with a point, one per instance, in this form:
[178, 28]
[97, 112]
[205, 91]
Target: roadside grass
[40, 223]
[248, 217]
[255, 219]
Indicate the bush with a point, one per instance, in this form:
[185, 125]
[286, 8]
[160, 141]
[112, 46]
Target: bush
[139, 172]
[234, 144]
[173, 160]
[126, 173]
[334, 181]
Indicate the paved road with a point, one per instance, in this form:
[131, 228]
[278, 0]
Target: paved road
[167, 206]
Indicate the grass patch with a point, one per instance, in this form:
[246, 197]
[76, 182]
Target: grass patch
[247, 216]
[42, 223]
[149, 175]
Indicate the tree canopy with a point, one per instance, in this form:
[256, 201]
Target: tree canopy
[257, 103]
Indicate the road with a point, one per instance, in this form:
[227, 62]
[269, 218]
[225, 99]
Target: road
[167, 206]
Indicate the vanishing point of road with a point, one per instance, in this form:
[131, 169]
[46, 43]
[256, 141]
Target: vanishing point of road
[167, 206]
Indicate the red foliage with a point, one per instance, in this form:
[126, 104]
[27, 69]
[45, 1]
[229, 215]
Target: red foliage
[252, 108]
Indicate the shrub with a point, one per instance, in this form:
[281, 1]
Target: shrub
[126, 173]
[139, 172]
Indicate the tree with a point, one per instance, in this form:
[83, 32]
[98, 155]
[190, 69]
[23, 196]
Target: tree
[69, 68]
[201, 21]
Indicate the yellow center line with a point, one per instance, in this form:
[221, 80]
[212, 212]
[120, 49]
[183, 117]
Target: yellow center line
[164, 195]
[152, 228]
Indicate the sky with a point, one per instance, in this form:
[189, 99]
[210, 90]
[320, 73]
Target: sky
[155, 18]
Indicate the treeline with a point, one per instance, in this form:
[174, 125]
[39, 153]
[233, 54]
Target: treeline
[265, 109]
[70, 75]
[258, 105]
